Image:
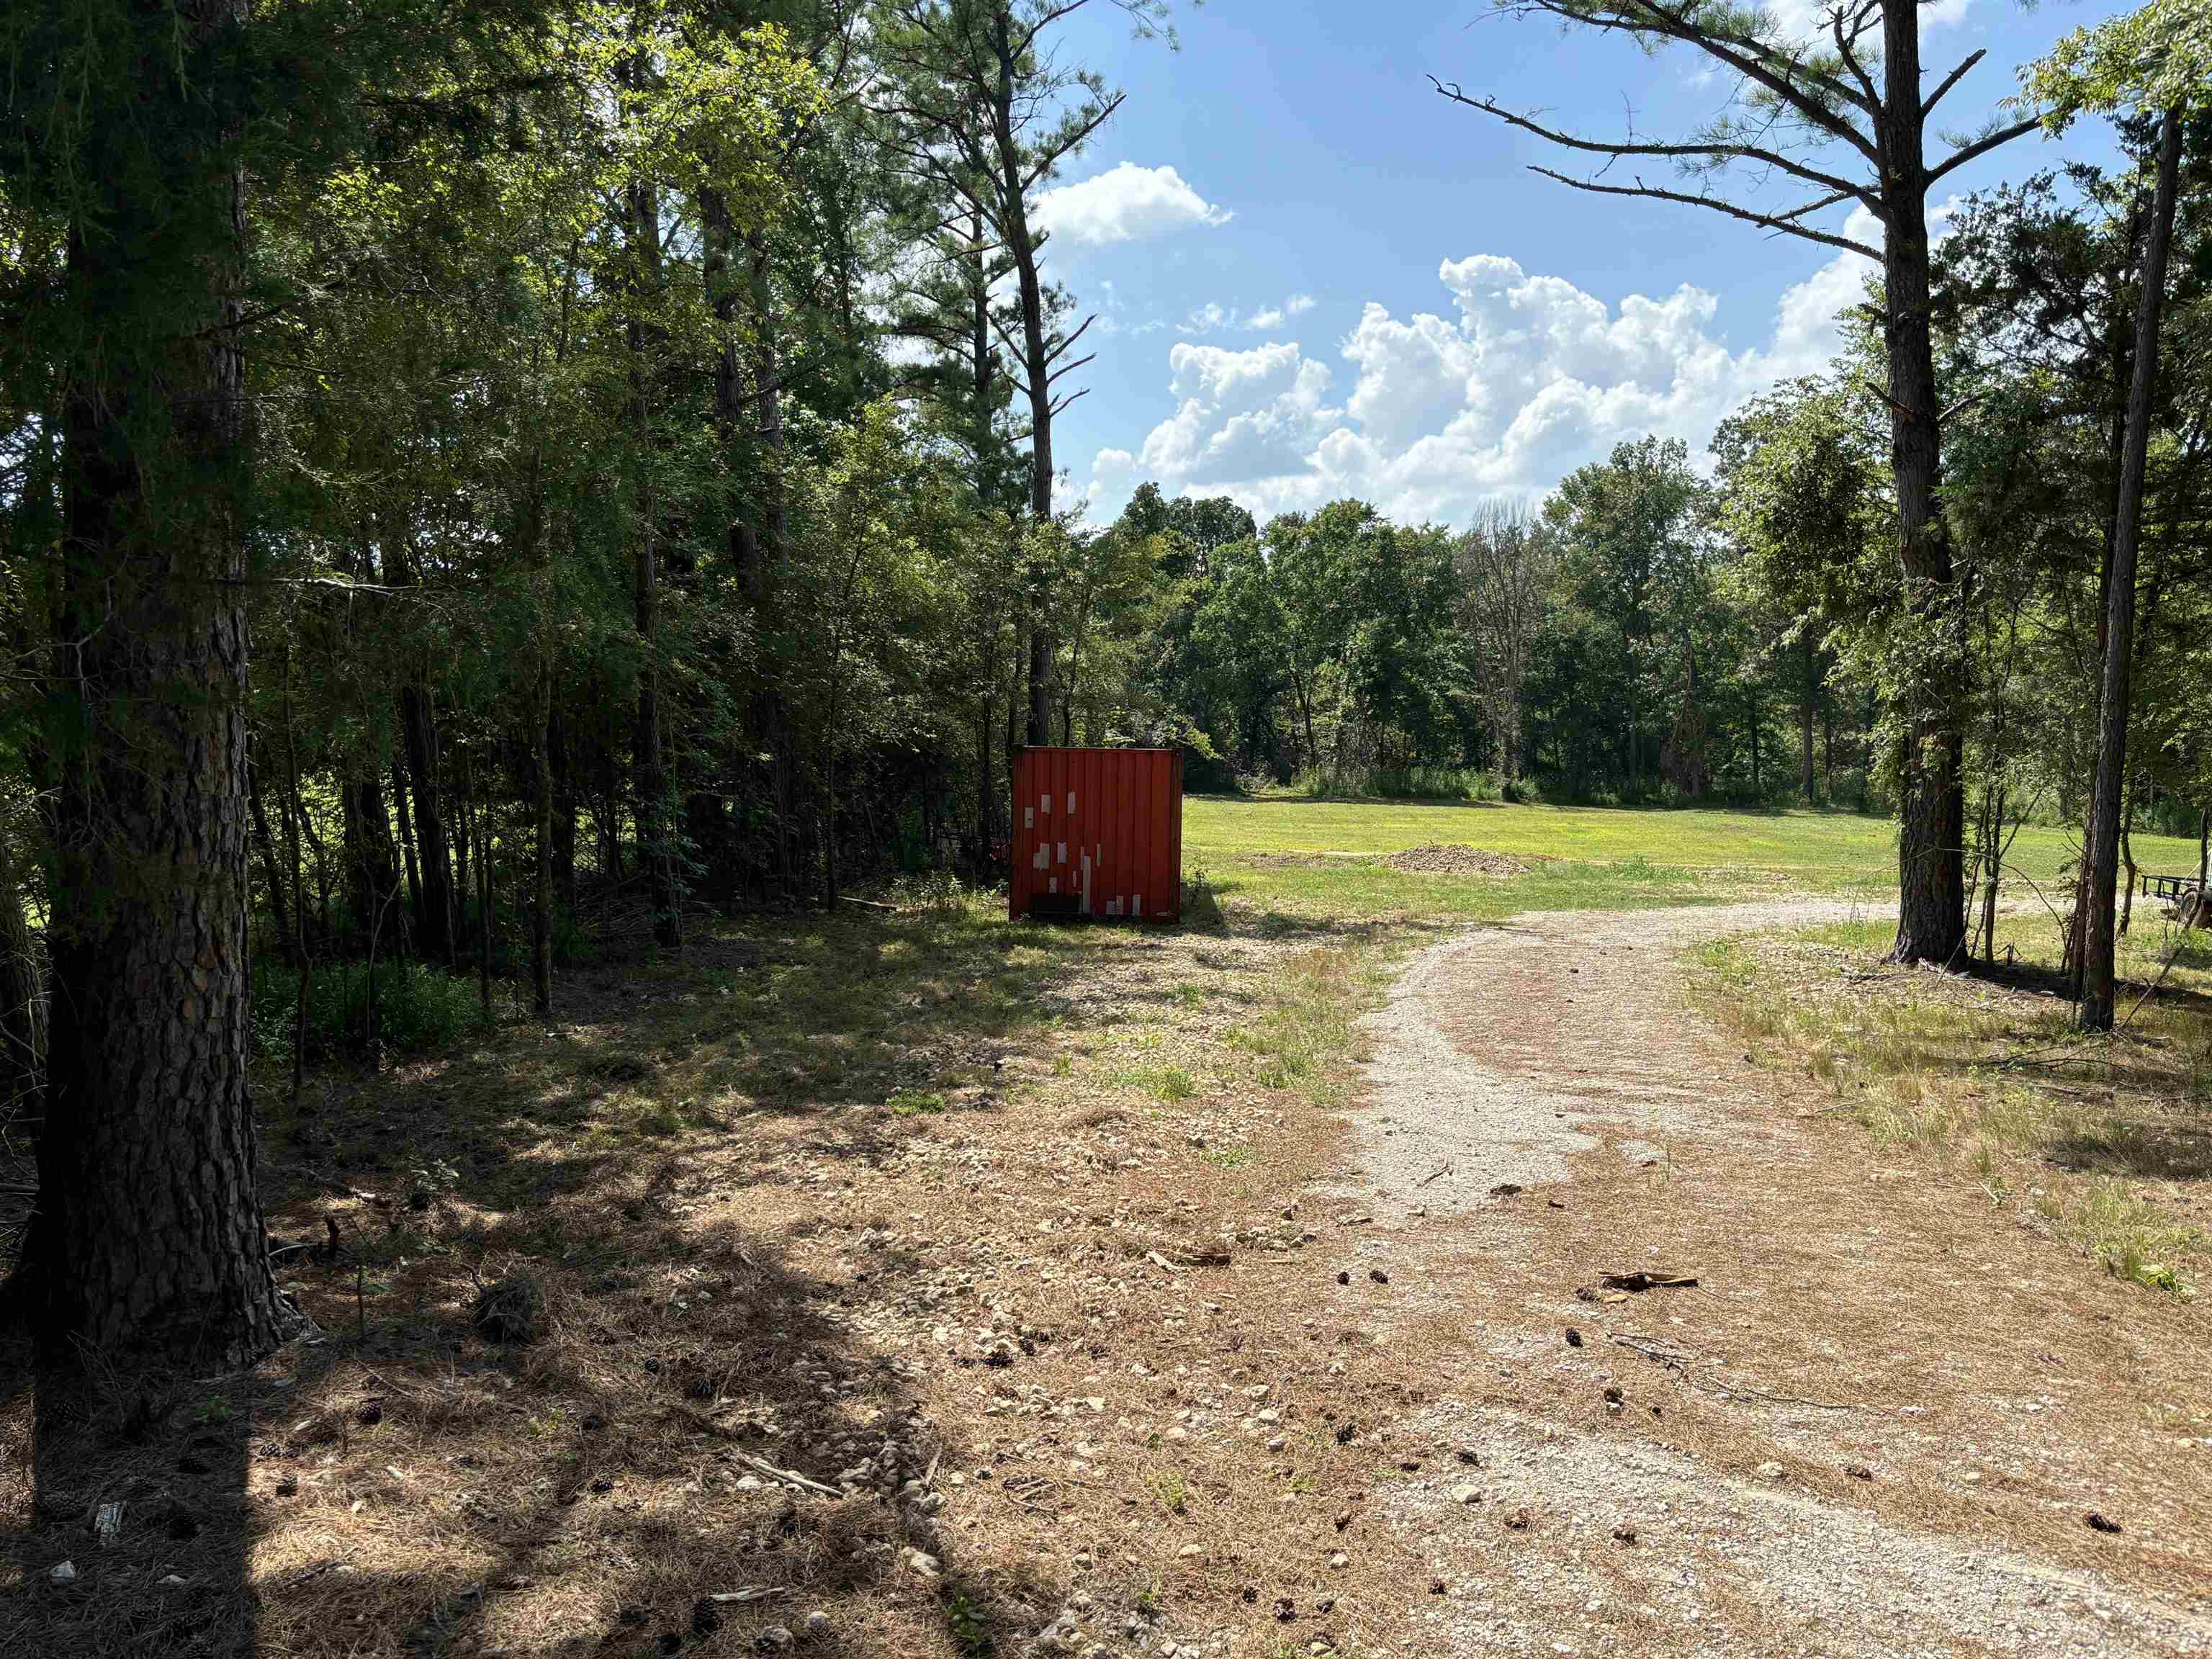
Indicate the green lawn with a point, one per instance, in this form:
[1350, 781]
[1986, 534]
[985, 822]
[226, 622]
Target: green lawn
[1306, 857]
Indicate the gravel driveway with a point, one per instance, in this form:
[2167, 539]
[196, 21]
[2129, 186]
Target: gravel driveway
[1792, 1458]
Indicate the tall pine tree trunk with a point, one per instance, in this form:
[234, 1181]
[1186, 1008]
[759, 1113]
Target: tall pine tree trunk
[149, 1231]
[1037, 366]
[2101, 857]
[1931, 914]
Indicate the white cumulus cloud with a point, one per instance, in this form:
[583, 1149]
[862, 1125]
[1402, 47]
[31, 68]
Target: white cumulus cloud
[1125, 203]
[1527, 378]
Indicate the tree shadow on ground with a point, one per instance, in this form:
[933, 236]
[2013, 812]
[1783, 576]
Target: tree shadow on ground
[407, 1483]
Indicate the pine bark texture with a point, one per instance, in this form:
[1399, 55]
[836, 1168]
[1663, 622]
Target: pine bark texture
[149, 1232]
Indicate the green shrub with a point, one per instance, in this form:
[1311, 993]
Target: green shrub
[417, 1009]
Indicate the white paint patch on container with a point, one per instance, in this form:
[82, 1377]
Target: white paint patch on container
[1039, 861]
[1062, 858]
[1086, 884]
[1029, 817]
[1070, 803]
[1136, 905]
[1052, 886]
[1045, 804]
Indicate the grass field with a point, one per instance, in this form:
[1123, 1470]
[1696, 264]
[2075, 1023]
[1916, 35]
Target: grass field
[1309, 858]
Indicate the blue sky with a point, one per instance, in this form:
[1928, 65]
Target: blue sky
[1315, 277]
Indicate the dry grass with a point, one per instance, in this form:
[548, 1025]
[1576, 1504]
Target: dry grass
[2106, 1140]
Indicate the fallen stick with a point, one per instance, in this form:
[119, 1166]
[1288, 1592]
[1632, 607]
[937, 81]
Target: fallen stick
[1426, 1179]
[790, 1476]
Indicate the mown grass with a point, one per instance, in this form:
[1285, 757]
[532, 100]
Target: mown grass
[1309, 858]
[2108, 1140]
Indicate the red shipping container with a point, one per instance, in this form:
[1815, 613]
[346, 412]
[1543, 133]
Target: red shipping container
[1097, 832]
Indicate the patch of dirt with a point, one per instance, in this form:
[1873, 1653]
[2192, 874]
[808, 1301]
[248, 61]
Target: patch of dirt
[1878, 1424]
[1445, 860]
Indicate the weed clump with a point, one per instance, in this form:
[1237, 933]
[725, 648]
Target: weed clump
[510, 1310]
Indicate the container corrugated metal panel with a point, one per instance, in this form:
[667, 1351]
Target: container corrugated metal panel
[1097, 832]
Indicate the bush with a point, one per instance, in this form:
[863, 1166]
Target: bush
[1400, 783]
[417, 1008]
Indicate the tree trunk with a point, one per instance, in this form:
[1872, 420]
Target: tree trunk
[149, 1232]
[1807, 706]
[434, 914]
[2101, 857]
[648, 768]
[481, 835]
[1931, 921]
[564, 809]
[1993, 863]
[984, 783]
[2127, 858]
[372, 863]
[1036, 365]
[279, 908]
[541, 924]
[401, 809]
[23, 995]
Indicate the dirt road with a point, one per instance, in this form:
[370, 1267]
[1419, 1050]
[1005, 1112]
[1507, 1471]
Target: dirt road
[1879, 1423]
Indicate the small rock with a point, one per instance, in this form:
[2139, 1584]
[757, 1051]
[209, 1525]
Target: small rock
[919, 1563]
[1517, 1521]
[63, 1572]
[1467, 1494]
[817, 1622]
[1574, 1337]
[1343, 1519]
[1859, 1472]
[1190, 1552]
[1772, 1471]
[1340, 1559]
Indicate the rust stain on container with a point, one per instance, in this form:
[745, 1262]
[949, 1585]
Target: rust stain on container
[1097, 832]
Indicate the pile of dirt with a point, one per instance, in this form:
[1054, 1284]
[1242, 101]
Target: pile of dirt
[1452, 860]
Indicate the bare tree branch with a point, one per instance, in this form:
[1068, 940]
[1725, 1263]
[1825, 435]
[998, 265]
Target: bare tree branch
[1764, 221]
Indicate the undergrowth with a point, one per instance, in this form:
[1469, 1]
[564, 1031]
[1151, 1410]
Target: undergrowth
[406, 1006]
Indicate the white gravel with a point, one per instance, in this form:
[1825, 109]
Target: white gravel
[1719, 1565]
[1429, 1105]
[1727, 1567]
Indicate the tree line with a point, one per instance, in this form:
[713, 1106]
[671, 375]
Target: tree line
[483, 487]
